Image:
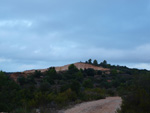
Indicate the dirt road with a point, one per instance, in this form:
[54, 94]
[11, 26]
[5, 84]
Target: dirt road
[108, 105]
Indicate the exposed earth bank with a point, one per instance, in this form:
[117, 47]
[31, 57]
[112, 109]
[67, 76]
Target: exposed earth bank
[108, 105]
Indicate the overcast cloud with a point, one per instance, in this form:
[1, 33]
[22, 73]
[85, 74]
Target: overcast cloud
[42, 33]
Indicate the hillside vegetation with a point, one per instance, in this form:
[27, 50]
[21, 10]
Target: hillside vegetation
[52, 89]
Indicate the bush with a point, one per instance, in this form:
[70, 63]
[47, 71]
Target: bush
[9, 93]
[72, 69]
[138, 99]
[75, 86]
[65, 97]
[93, 94]
[87, 83]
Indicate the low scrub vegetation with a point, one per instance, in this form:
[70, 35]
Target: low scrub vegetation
[52, 90]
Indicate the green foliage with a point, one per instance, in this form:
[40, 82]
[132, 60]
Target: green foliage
[104, 62]
[67, 96]
[113, 72]
[93, 94]
[99, 72]
[72, 69]
[87, 83]
[45, 86]
[21, 110]
[54, 90]
[51, 73]
[138, 99]
[95, 63]
[50, 76]
[21, 80]
[30, 79]
[37, 74]
[64, 87]
[89, 72]
[75, 86]
[79, 76]
[90, 61]
[111, 92]
[8, 90]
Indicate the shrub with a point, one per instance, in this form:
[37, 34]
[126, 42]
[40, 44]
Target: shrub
[87, 83]
[65, 97]
[93, 94]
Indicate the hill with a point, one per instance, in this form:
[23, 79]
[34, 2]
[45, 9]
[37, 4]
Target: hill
[57, 87]
[79, 65]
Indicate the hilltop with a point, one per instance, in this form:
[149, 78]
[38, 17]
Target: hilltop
[79, 65]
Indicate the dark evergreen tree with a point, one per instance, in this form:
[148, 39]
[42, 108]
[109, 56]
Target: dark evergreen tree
[95, 63]
[90, 61]
[37, 74]
[72, 69]
[104, 63]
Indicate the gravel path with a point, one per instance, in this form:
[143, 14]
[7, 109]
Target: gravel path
[108, 105]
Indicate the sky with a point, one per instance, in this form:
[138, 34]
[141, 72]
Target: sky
[37, 34]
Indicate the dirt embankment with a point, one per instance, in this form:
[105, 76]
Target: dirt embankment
[108, 105]
[83, 66]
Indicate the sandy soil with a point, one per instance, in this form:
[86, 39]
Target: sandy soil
[83, 66]
[108, 105]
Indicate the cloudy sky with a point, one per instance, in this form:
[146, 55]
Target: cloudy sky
[42, 33]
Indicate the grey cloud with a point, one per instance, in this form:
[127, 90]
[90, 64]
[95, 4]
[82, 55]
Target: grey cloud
[73, 53]
[36, 34]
